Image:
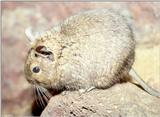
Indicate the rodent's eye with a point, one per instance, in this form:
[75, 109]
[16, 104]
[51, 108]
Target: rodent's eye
[36, 69]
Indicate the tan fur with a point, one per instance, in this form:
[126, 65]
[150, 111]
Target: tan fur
[91, 49]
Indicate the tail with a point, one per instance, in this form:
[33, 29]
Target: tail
[147, 88]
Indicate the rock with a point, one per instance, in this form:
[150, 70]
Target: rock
[121, 100]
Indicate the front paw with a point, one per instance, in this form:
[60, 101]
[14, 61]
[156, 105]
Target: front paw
[81, 91]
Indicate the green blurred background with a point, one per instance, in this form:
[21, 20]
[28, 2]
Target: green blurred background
[17, 94]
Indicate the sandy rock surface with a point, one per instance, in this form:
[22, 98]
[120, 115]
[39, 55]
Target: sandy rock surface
[121, 100]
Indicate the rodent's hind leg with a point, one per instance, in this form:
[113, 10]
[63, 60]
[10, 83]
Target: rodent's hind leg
[106, 82]
[103, 82]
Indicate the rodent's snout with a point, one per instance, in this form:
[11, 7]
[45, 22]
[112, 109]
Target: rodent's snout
[36, 74]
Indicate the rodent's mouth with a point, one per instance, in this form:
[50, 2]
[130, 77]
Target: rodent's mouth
[33, 82]
[36, 82]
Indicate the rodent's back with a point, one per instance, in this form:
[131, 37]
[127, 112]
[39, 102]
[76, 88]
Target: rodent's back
[98, 47]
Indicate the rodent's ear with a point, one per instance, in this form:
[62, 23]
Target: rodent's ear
[40, 49]
[29, 33]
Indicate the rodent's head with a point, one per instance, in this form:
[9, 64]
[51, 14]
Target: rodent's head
[42, 60]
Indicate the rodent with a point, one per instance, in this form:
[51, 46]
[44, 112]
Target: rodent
[95, 48]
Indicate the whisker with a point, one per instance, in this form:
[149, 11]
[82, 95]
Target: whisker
[47, 93]
[44, 98]
[35, 94]
[41, 95]
[40, 98]
[47, 96]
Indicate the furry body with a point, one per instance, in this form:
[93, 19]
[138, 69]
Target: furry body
[91, 49]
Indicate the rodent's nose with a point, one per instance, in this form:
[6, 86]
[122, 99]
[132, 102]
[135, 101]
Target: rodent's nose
[33, 81]
[36, 69]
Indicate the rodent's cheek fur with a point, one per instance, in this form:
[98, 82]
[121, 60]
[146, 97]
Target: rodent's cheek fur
[46, 73]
